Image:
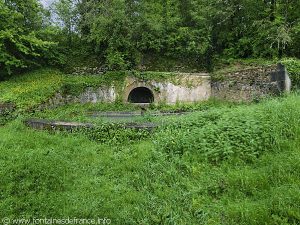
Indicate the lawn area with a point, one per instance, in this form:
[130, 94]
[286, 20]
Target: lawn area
[221, 165]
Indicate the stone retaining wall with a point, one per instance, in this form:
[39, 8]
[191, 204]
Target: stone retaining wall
[243, 85]
[251, 84]
[187, 88]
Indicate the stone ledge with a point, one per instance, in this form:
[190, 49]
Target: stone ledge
[40, 124]
[134, 114]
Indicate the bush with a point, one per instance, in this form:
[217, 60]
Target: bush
[110, 133]
[244, 133]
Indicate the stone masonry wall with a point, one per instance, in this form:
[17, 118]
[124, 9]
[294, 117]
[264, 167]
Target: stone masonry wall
[89, 95]
[246, 85]
[187, 88]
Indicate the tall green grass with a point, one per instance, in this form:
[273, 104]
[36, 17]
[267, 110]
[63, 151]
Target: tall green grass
[154, 181]
[242, 132]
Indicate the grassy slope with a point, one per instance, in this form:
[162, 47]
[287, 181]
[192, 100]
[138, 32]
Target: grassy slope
[31, 89]
[148, 182]
[64, 175]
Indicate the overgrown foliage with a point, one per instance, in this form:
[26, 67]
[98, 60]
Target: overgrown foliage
[126, 34]
[180, 35]
[25, 38]
[140, 182]
[245, 132]
[293, 67]
[31, 89]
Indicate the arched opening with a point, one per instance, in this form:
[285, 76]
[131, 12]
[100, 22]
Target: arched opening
[141, 95]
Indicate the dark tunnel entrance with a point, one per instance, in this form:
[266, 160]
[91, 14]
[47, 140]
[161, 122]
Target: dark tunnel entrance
[141, 95]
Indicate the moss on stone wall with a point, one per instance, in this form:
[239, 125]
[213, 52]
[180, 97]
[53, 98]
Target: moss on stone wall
[179, 79]
[76, 84]
[150, 75]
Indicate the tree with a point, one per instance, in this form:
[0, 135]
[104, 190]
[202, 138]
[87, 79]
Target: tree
[122, 33]
[66, 17]
[20, 46]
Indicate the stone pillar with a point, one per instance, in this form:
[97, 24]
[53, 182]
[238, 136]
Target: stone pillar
[281, 77]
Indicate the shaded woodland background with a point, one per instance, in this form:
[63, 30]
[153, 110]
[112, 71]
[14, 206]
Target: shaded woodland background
[128, 34]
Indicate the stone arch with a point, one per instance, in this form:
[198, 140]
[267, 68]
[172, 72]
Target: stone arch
[141, 95]
[135, 85]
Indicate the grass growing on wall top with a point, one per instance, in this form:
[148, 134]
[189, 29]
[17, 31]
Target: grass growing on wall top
[225, 67]
[76, 84]
[152, 75]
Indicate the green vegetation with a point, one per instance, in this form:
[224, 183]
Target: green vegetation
[243, 132]
[26, 39]
[222, 163]
[31, 89]
[34, 88]
[157, 179]
[293, 67]
[219, 163]
[230, 66]
[169, 35]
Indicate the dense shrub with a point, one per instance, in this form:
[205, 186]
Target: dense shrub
[113, 134]
[245, 132]
[25, 38]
